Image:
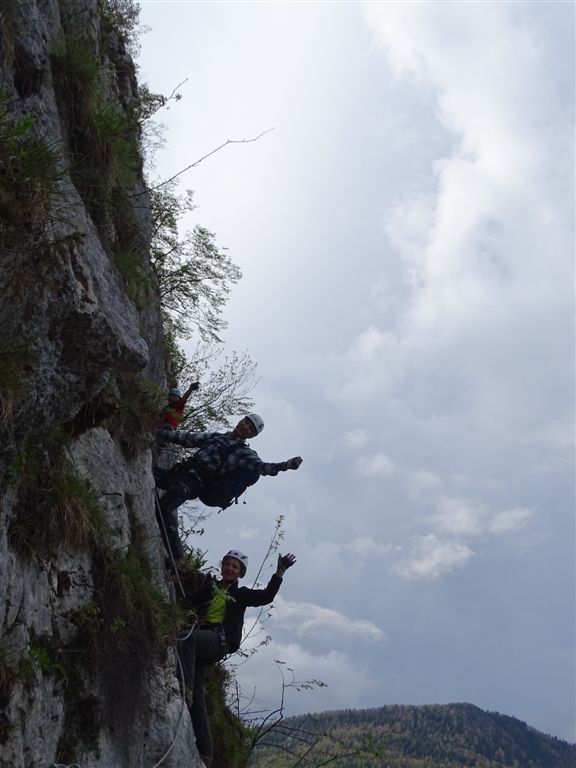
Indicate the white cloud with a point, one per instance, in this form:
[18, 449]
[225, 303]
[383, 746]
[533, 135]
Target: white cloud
[370, 345]
[509, 520]
[556, 435]
[247, 533]
[473, 247]
[423, 482]
[464, 518]
[408, 226]
[307, 618]
[367, 545]
[459, 517]
[325, 552]
[428, 558]
[375, 465]
[356, 438]
[347, 682]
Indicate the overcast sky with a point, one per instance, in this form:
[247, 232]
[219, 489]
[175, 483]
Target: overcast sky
[406, 236]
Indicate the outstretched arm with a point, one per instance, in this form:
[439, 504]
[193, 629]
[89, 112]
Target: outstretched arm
[257, 597]
[293, 463]
[273, 469]
[246, 457]
[192, 388]
[181, 437]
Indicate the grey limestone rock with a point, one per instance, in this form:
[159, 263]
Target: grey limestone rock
[71, 327]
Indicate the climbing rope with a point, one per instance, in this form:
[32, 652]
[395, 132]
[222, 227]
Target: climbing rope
[181, 670]
[183, 707]
[192, 628]
[181, 639]
[160, 515]
[183, 695]
[182, 687]
[65, 765]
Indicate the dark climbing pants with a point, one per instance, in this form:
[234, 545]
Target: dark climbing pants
[178, 489]
[196, 653]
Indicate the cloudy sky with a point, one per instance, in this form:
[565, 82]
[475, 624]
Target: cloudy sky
[406, 236]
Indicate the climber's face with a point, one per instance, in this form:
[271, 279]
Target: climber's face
[244, 429]
[230, 570]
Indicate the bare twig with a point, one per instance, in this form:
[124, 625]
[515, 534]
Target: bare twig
[277, 536]
[201, 159]
[169, 98]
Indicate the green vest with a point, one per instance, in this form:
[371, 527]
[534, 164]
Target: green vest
[217, 607]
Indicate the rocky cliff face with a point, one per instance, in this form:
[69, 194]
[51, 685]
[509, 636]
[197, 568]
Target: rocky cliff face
[86, 624]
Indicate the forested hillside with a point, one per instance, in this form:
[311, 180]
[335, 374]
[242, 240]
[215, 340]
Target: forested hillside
[435, 736]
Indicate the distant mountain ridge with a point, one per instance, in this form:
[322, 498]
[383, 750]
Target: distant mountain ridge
[405, 736]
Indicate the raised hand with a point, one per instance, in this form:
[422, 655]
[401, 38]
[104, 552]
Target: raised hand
[285, 562]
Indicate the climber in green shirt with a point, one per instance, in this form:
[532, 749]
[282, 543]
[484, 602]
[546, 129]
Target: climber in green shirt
[219, 606]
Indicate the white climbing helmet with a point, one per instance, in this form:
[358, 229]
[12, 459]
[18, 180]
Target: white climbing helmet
[258, 422]
[241, 557]
[175, 391]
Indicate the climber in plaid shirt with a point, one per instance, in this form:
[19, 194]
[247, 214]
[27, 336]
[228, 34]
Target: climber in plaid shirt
[219, 455]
